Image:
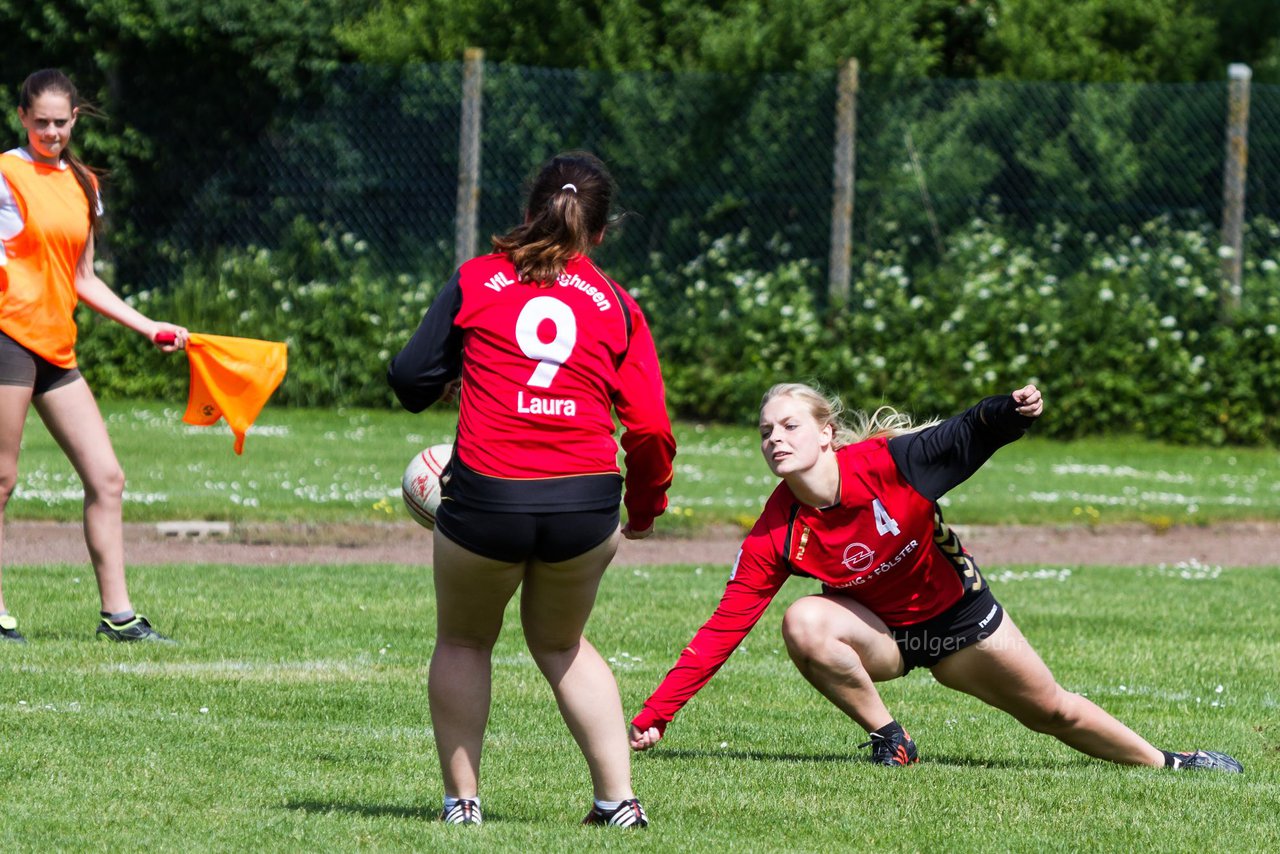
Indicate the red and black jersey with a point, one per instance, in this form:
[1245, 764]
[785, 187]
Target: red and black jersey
[543, 367]
[883, 543]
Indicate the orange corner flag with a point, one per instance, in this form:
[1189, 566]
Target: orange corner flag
[232, 378]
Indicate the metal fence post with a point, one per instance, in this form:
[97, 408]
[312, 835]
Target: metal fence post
[1233, 184]
[842, 182]
[464, 247]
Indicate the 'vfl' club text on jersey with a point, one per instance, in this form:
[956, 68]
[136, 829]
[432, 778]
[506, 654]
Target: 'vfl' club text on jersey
[883, 544]
[546, 366]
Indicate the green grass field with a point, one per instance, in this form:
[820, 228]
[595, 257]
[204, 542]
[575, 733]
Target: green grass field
[345, 465]
[293, 718]
[293, 715]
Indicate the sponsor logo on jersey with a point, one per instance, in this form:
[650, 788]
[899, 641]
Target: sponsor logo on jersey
[857, 557]
[990, 614]
[906, 551]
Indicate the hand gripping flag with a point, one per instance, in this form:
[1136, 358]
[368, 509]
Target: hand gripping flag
[232, 378]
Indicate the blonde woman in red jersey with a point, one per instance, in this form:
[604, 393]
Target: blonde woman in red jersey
[858, 510]
[546, 348]
[49, 209]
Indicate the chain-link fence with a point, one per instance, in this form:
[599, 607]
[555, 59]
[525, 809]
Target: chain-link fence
[699, 156]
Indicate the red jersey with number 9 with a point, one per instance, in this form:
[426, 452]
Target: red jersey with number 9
[541, 362]
[544, 367]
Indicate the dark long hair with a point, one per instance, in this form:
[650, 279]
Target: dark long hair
[53, 80]
[568, 206]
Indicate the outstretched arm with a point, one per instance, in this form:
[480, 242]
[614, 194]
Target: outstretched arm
[752, 586]
[96, 294]
[938, 458]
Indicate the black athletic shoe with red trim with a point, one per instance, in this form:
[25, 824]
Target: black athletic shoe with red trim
[1206, 760]
[892, 751]
[629, 813]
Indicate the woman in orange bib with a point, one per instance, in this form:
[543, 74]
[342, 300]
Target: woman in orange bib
[49, 210]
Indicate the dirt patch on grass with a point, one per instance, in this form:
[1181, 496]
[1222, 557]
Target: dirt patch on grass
[1235, 544]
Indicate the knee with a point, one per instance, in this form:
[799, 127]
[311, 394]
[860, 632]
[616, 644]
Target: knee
[464, 641]
[1053, 714]
[542, 646]
[807, 633]
[106, 485]
[8, 482]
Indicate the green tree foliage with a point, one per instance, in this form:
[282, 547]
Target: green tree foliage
[1102, 40]
[1083, 40]
[182, 85]
[1248, 31]
[724, 35]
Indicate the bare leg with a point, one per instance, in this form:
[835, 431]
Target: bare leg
[471, 594]
[843, 649]
[1006, 672]
[554, 607]
[14, 401]
[71, 414]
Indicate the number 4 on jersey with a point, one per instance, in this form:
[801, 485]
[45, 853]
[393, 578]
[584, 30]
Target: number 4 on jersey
[885, 524]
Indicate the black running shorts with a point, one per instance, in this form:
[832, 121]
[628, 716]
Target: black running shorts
[517, 537]
[974, 618]
[19, 366]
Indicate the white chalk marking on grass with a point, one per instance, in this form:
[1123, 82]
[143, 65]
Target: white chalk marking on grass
[73, 707]
[1190, 570]
[624, 661]
[1158, 694]
[75, 494]
[1105, 471]
[318, 670]
[221, 430]
[1045, 574]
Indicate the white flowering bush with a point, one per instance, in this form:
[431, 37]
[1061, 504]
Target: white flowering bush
[1134, 340]
[726, 329]
[1131, 339]
[318, 293]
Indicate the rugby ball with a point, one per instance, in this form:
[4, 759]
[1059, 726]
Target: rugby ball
[421, 483]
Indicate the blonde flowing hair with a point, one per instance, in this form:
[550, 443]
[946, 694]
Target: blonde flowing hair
[857, 426]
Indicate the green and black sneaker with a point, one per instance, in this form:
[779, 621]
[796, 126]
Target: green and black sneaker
[137, 629]
[9, 629]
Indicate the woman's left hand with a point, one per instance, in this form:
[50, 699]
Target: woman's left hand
[1029, 401]
[452, 389]
[169, 337]
[643, 740]
[632, 534]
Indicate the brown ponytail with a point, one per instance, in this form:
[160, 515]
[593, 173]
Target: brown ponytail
[568, 207]
[53, 80]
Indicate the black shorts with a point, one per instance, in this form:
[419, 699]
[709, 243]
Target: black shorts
[974, 618]
[19, 366]
[517, 537]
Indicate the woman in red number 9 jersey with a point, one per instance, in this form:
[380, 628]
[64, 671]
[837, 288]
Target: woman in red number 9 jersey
[543, 348]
